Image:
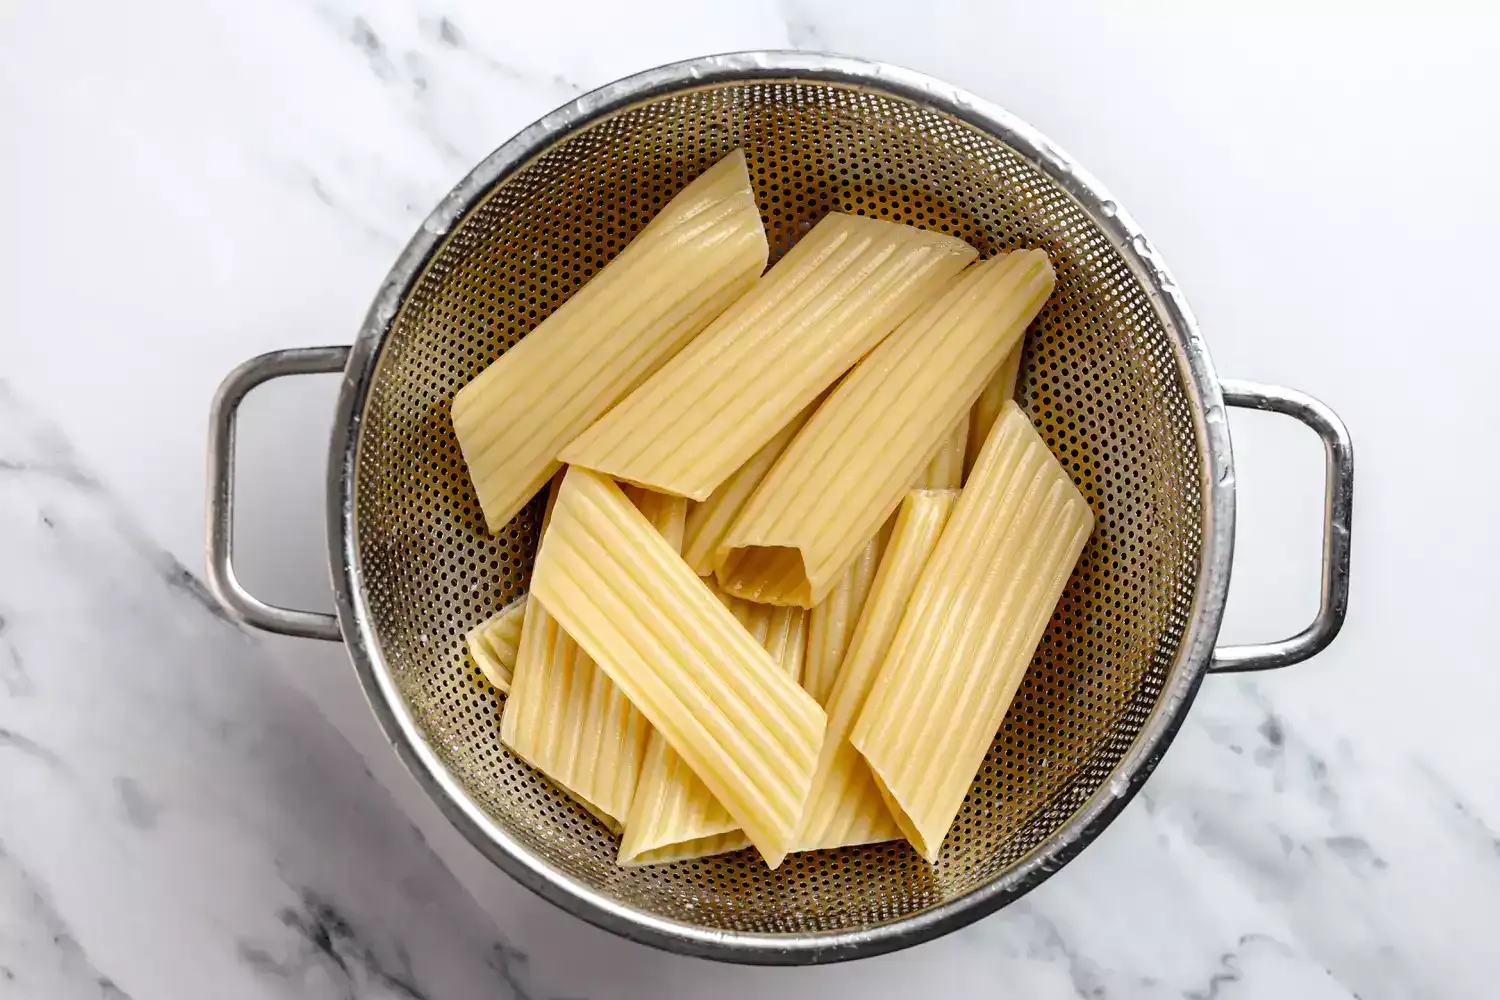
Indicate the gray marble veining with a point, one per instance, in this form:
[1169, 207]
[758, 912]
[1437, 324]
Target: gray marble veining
[148, 749]
[190, 810]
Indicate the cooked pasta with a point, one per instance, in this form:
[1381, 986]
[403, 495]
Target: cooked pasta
[708, 521]
[1000, 389]
[699, 254]
[565, 717]
[494, 642]
[831, 622]
[834, 296]
[782, 630]
[849, 467]
[971, 628]
[687, 850]
[844, 807]
[674, 817]
[668, 515]
[681, 657]
[800, 622]
[945, 470]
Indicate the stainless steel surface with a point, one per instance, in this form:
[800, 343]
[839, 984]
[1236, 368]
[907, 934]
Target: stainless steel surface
[1338, 514]
[220, 515]
[1115, 375]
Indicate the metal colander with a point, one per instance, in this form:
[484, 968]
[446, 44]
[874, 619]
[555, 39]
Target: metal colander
[1114, 376]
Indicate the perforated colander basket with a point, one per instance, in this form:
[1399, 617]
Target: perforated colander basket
[1114, 375]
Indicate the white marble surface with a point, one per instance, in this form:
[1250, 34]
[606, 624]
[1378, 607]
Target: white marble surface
[191, 810]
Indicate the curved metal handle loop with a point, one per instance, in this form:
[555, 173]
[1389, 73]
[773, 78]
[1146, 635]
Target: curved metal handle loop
[1338, 506]
[221, 576]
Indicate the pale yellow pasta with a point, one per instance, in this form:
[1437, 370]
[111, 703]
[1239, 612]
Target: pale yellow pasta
[708, 521]
[674, 817]
[1000, 390]
[845, 807]
[844, 474]
[945, 470]
[831, 623]
[833, 297]
[494, 643]
[668, 515]
[699, 254]
[719, 843]
[979, 610]
[783, 631]
[681, 657]
[565, 717]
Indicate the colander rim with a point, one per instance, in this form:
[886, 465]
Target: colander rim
[1194, 651]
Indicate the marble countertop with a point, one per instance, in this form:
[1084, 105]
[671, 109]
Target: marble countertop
[194, 810]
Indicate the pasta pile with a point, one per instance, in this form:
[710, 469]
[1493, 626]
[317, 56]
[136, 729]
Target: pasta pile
[801, 544]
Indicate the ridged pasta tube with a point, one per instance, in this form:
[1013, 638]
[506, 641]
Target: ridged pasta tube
[981, 605]
[831, 622]
[494, 643]
[845, 807]
[681, 657]
[1000, 390]
[945, 470]
[834, 296]
[674, 817]
[565, 717]
[846, 471]
[707, 522]
[699, 254]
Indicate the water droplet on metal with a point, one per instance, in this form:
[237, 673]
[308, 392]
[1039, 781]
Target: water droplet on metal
[1054, 154]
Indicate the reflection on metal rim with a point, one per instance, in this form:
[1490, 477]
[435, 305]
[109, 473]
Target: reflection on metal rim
[1194, 651]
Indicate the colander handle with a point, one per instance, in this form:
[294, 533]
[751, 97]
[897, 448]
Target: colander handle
[1338, 507]
[221, 576]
